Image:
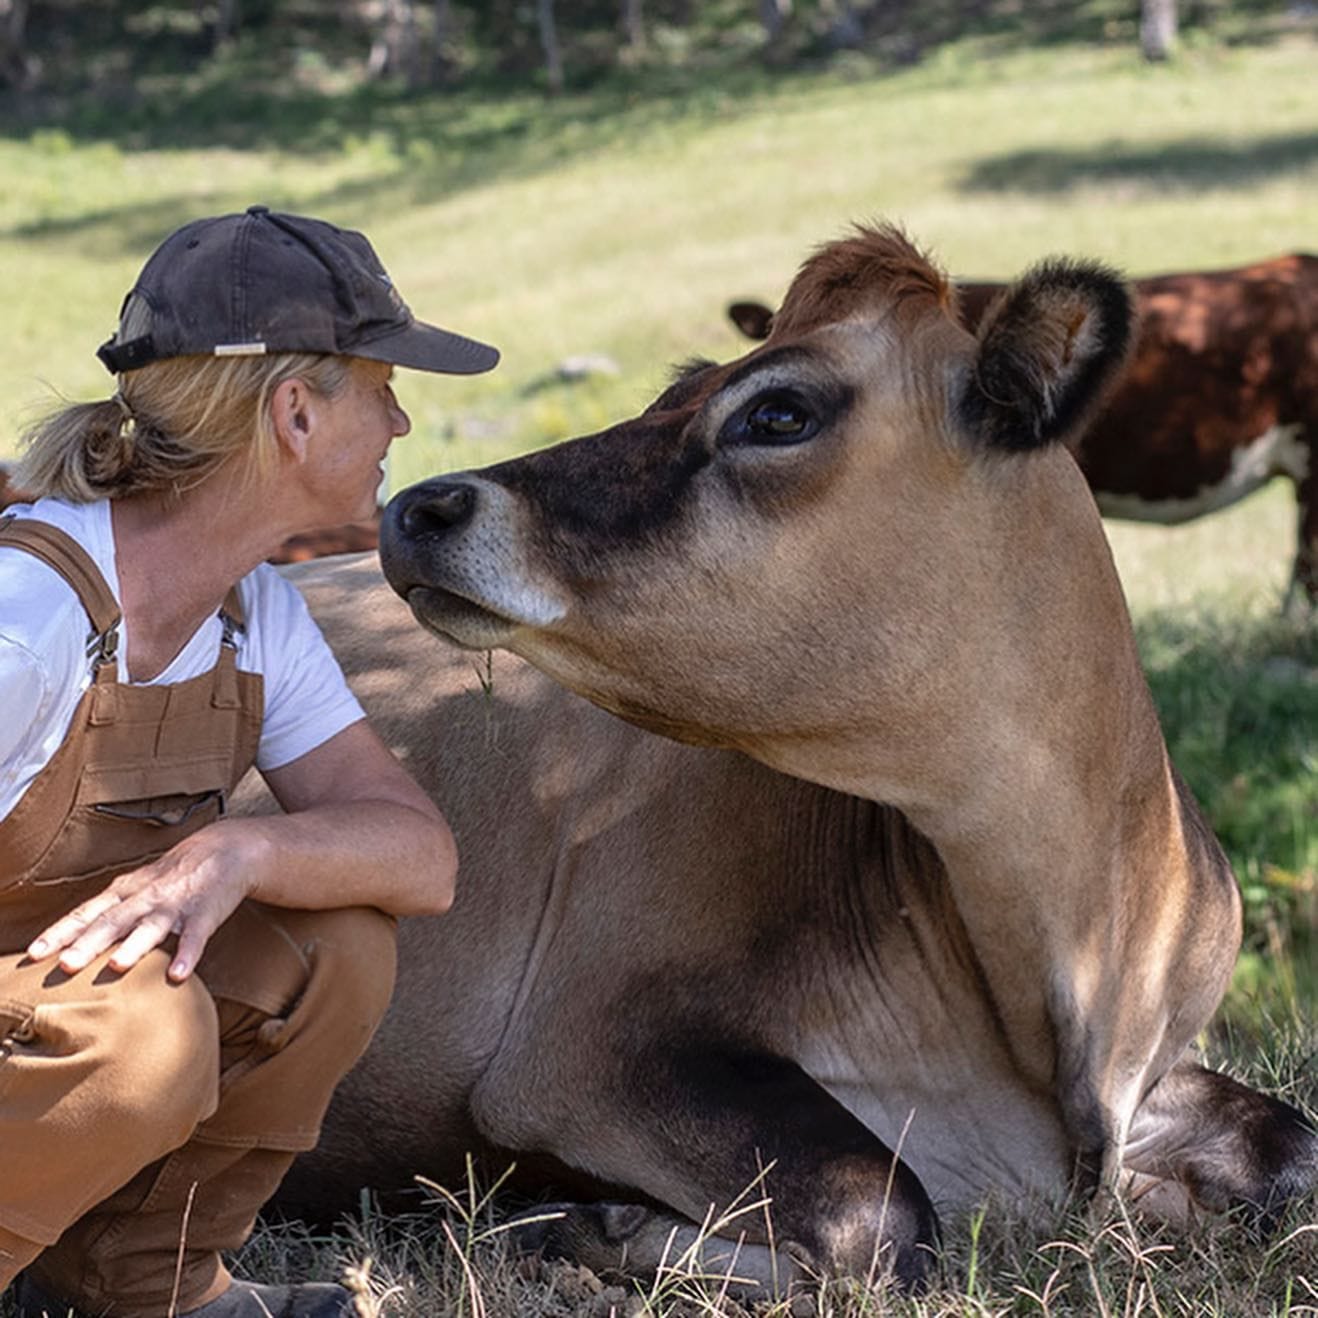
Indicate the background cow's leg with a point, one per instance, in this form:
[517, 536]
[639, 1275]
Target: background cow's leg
[703, 1124]
[1303, 589]
[1201, 1140]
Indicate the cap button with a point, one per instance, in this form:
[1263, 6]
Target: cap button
[258, 210]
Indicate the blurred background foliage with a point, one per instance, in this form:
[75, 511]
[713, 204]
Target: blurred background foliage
[134, 70]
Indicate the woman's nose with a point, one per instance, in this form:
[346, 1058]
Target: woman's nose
[402, 423]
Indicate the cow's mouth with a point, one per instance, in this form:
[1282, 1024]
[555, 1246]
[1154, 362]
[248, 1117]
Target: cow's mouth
[460, 620]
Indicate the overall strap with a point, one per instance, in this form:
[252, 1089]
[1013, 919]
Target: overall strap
[225, 693]
[232, 616]
[60, 551]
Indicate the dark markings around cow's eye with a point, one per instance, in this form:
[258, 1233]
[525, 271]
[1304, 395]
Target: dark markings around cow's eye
[775, 418]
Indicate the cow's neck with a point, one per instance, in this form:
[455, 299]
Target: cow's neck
[1105, 923]
[1100, 911]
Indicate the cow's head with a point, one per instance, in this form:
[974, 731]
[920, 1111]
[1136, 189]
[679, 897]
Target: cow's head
[852, 537]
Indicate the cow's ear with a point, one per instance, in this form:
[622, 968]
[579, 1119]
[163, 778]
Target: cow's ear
[753, 319]
[1048, 350]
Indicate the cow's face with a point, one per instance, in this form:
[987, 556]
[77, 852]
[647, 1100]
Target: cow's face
[816, 545]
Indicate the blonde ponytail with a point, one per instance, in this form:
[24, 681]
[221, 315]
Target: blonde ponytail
[168, 427]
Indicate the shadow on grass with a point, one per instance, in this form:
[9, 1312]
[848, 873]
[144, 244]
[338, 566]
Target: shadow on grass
[434, 147]
[418, 148]
[297, 85]
[1185, 164]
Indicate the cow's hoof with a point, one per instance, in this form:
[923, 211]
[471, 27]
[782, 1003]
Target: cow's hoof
[617, 1239]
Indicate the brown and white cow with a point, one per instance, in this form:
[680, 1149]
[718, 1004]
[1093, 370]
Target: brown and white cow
[906, 905]
[1221, 395]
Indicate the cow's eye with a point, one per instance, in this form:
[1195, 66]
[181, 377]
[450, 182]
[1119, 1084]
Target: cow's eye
[777, 418]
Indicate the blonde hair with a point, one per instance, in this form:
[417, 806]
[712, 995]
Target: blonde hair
[169, 426]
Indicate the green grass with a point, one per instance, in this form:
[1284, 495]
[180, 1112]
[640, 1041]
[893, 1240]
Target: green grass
[1236, 686]
[622, 221]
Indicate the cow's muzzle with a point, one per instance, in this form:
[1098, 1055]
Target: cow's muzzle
[451, 546]
[418, 526]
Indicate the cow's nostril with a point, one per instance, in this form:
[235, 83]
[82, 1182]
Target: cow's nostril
[439, 510]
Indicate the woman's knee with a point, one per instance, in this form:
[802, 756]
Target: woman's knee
[276, 1094]
[139, 1052]
[353, 954]
[321, 980]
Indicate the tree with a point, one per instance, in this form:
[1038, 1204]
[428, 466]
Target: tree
[633, 28]
[774, 14]
[226, 21]
[443, 63]
[1157, 28]
[394, 50]
[16, 67]
[549, 43]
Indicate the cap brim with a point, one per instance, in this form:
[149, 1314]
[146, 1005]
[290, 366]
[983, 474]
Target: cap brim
[429, 348]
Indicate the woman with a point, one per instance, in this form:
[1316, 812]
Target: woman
[180, 991]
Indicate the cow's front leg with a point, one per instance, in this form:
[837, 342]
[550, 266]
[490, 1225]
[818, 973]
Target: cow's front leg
[638, 1240]
[696, 1129]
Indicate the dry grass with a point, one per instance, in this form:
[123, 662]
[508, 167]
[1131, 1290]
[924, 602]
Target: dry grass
[1073, 1262]
[454, 1254]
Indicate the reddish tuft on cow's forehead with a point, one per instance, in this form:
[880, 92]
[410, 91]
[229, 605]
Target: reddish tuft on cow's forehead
[873, 267]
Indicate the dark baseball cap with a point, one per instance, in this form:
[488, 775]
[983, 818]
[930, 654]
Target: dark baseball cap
[262, 281]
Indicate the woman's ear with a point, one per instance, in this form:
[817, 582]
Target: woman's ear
[293, 411]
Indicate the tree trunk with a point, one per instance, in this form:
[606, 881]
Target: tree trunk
[443, 62]
[633, 25]
[394, 49]
[15, 68]
[845, 30]
[549, 43]
[773, 14]
[1157, 29]
[226, 22]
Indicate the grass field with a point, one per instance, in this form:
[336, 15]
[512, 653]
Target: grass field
[621, 224]
[624, 227]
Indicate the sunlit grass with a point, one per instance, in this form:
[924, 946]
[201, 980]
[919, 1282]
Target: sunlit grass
[556, 229]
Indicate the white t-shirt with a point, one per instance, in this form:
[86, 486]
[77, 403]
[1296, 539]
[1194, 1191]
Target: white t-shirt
[44, 668]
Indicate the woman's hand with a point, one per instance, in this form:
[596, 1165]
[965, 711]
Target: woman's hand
[358, 832]
[189, 891]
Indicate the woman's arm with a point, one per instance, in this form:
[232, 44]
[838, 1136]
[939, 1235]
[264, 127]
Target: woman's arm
[358, 832]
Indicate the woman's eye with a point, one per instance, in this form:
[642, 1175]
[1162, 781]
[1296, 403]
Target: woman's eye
[776, 420]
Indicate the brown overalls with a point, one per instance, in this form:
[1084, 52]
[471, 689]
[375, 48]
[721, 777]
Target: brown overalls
[143, 1123]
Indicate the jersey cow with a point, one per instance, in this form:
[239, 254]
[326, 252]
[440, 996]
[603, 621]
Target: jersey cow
[906, 905]
[1220, 396]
